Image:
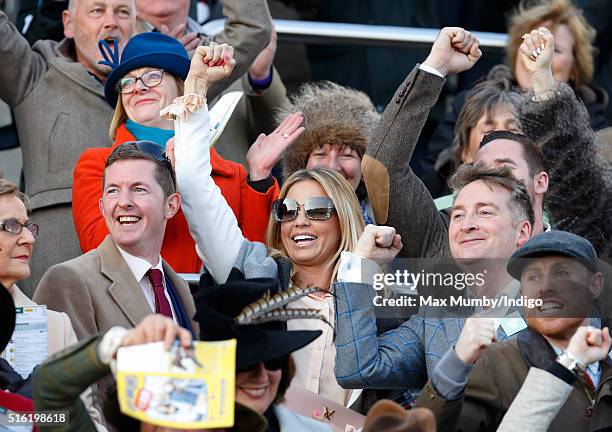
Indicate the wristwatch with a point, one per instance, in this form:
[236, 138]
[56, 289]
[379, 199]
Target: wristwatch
[570, 362]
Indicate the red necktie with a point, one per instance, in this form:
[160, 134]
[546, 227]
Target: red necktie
[162, 306]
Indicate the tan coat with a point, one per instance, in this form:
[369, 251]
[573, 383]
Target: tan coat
[98, 291]
[498, 377]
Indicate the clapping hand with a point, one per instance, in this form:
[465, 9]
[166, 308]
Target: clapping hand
[189, 40]
[268, 149]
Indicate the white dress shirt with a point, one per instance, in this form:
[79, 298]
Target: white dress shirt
[139, 268]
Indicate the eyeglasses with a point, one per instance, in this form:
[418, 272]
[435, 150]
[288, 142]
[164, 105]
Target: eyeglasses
[14, 227]
[274, 364]
[152, 78]
[316, 208]
[153, 150]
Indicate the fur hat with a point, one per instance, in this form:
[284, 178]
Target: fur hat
[333, 114]
[336, 134]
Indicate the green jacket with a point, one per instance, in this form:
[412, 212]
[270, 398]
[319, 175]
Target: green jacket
[58, 382]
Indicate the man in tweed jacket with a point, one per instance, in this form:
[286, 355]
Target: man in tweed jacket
[483, 224]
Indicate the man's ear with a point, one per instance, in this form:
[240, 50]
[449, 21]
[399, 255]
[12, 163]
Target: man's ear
[68, 27]
[101, 206]
[173, 204]
[596, 284]
[524, 233]
[540, 182]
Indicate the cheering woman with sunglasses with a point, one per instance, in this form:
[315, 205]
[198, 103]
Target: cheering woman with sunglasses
[148, 77]
[316, 218]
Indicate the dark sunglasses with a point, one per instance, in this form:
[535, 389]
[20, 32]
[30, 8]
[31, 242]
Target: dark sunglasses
[153, 150]
[14, 226]
[274, 364]
[316, 208]
[150, 79]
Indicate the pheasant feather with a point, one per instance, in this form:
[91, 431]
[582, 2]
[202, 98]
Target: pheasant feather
[286, 314]
[268, 303]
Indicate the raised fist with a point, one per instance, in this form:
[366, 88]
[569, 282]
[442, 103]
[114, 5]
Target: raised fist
[379, 243]
[477, 334]
[212, 63]
[454, 50]
[590, 344]
[537, 50]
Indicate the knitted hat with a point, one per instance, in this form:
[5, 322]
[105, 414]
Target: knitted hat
[144, 50]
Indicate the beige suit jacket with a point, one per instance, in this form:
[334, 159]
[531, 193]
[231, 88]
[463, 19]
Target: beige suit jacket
[98, 291]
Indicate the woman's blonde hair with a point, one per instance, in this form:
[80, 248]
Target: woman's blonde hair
[531, 14]
[347, 208]
[120, 116]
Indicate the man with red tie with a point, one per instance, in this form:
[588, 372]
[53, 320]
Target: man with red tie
[125, 278]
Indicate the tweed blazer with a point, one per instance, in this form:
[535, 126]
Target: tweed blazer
[399, 198]
[98, 291]
[400, 358]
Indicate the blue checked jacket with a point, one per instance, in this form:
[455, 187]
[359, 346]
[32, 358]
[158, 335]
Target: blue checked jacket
[401, 358]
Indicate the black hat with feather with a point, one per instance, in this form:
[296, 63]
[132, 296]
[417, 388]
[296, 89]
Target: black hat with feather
[253, 311]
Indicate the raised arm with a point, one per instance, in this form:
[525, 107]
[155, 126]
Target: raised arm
[553, 117]
[212, 223]
[247, 28]
[396, 359]
[398, 196]
[21, 66]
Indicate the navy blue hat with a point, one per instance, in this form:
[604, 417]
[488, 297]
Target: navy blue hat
[144, 50]
[553, 243]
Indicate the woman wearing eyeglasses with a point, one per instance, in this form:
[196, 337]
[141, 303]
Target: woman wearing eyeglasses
[17, 237]
[149, 76]
[316, 218]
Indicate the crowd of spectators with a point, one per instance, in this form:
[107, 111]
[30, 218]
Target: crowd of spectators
[313, 197]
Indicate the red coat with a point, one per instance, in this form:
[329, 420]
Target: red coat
[252, 209]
